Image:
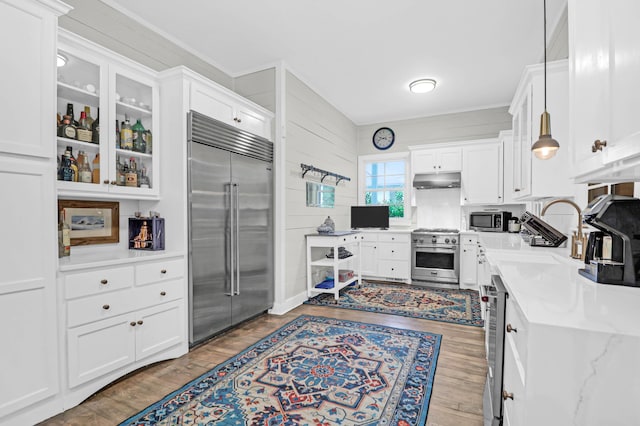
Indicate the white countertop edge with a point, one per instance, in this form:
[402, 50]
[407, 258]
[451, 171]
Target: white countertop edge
[94, 260]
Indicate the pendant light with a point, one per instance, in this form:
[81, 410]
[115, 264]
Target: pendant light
[545, 147]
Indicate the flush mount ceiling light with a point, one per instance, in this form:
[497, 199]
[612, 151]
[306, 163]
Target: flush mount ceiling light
[422, 86]
[61, 60]
[546, 146]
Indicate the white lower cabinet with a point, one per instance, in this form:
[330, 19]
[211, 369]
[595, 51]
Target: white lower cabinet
[121, 318]
[386, 255]
[469, 262]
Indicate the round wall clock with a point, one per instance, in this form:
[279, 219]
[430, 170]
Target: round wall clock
[383, 138]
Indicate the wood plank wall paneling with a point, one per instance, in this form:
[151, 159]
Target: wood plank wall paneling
[470, 125]
[108, 27]
[317, 134]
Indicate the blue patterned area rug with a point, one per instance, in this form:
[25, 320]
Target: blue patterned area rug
[314, 371]
[456, 306]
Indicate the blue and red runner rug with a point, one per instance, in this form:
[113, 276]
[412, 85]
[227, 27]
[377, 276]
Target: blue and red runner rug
[455, 306]
[313, 371]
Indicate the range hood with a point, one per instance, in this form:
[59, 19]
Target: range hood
[437, 180]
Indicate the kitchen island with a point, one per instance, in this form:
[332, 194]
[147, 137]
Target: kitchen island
[571, 345]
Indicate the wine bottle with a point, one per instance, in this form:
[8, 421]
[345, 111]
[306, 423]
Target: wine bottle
[95, 129]
[95, 174]
[70, 114]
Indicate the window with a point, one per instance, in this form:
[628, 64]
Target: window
[384, 180]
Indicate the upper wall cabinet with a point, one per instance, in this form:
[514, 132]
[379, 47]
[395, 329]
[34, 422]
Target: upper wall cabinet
[604, 89]
[482, 173]
[534, 178]
[116, 145]
[216, 102]
[436, 160]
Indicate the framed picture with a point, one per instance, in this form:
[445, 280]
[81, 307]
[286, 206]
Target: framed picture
[92, 222]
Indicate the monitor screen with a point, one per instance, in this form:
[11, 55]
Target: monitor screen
[369, 217]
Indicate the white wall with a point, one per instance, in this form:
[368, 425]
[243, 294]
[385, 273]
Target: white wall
[316, 134]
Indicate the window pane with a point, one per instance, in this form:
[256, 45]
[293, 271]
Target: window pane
[394, 168]
[395, 182]
[374, 169]
[375, 182]
[374, 198]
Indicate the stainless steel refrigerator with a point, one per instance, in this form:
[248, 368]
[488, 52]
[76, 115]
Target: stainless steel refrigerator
[230, 226]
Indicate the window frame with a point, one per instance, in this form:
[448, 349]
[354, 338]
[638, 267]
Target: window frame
[363, 160]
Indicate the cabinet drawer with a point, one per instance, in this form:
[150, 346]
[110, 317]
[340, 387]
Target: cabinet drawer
[101, 306]
[155, 294]
[512, 384]
[164, 270]
[394, 251]
[395, 238]
[368, 236]
[515, 318]
[393, 269]
[96, 282]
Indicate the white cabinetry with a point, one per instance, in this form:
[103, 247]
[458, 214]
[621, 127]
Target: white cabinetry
[217, 102]
[29, 373]
[605, 96]
[113, 88]
[386, 255]
[436, 160]
[534, 178]
[119, 318]
[482, 172]
[318, 247]
[469, 261]
[506, 140]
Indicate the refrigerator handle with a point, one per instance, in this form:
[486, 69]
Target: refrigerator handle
[231, 241]
[237, 228]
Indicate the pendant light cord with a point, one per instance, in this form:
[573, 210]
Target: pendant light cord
[545, 53]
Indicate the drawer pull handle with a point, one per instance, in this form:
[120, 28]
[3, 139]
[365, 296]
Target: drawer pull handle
[506, 395]
[163, 271]
[163, 293]
[510, 329]
[132, 323]
[103, 281]
[105, 307]
[140, 322]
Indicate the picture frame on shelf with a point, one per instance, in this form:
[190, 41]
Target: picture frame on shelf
[92, 222]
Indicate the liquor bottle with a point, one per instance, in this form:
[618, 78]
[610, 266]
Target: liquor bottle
[117, 134]
[74, 163]
[60, 241]
[87, 113]
[126, 135]
[85, 170]
[68, 130]
[70, 114]
[95, 174]
[144, 179]
[95, 129]
[122, 169]
[131, 176]
[139, 145]
[66, 172]
[66, 234]
[148, 140]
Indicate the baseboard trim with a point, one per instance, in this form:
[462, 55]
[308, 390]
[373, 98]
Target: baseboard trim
[289, 304]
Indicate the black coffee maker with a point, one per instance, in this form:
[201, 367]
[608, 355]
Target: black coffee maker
[613, 254]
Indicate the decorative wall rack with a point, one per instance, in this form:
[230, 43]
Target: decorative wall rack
[306, 168]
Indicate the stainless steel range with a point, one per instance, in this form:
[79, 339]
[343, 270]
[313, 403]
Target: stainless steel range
[435, 257]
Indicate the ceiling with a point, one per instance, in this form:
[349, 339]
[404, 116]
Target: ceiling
[361, 55]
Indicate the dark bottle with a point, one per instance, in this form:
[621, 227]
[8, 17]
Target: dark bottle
[74, 163]
[66, 171]
[139, 144]
[117, 134]
[70, 113]
[148, 141]
[95, 129]
[68, 130]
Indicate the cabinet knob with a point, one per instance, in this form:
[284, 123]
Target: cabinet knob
[393, 251]
[103, 281]
[598, 145]
[439, 167]
[516, 189]
[163, 293]
[105, 307]
[140, 322]
[163, 271]
[499, 197]
[106, 181]
[393, 269]
[506, 395]
[132, 323]
[511, 329]
[113, 182]
[434, 167]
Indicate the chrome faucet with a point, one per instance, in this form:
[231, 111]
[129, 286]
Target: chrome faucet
[575, 239]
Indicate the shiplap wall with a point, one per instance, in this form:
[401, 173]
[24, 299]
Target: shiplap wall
[102, 24]
[320, 135]
[461, 126]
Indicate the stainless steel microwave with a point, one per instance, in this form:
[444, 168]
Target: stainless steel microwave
[489, 221]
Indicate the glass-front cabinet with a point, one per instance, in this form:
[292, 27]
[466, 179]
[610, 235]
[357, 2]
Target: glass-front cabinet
[106, 124]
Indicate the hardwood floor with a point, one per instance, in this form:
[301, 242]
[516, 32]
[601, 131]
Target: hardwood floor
[456, 399]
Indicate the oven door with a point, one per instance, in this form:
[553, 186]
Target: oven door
[437, 264]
